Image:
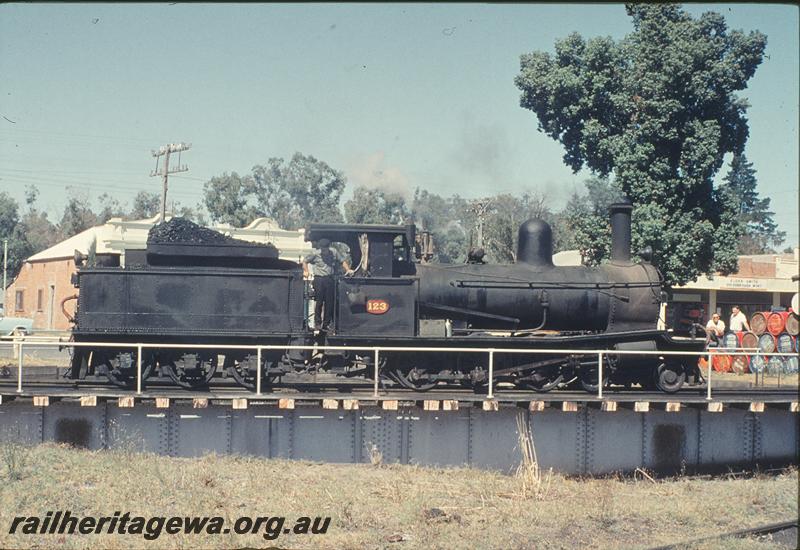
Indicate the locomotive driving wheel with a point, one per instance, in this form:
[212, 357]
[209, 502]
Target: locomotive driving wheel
[192, 370]
[120, 366]
[669, 376]
[243, 370]
[588, 377]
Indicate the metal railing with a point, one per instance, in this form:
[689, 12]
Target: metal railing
[20, 344]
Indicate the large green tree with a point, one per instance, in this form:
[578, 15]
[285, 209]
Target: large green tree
[39, 231]
[759, 232]
[292, 193]
[229, 199]
[656, 110]
[298, 192]
[110, 207]
[374, 205]
[145, 205]
[583, 224]
[11, 230]
[78, 215]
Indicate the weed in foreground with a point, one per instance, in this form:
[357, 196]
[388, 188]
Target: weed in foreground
[15, 456]
[532, 483]
[375, 454]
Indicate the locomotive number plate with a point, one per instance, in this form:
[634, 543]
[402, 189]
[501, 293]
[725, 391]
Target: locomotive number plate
[377, 307]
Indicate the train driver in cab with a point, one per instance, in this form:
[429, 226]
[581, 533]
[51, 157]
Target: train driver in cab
[324, 262]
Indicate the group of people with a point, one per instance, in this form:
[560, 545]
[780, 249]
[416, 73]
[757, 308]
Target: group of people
[716, 326]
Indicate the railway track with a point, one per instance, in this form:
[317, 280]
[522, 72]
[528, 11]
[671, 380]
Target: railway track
[364, 391]
[783, 533]
[48, 380]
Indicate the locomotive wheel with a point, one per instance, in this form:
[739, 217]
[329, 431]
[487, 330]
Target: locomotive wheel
[243, 370]
[669, 377]
[120, 367]
[588, 378]
[192, 370]
[413, 380]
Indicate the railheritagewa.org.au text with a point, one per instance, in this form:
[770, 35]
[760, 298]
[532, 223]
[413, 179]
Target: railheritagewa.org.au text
[63, 522]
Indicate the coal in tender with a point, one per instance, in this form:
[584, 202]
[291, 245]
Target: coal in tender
[183, 231]
[180, 242]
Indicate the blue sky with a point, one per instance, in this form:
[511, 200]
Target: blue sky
[397, 95]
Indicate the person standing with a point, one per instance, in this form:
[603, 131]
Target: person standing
[715, 329]
[323, 263]
[738, 320]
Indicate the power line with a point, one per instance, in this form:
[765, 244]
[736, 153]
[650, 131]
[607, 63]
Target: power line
[122, 182]
[84, 174]
[16, 131]
[100, 172]
[193, 178]
[89, 186]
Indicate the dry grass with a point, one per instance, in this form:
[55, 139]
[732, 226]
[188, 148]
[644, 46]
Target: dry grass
[374, 506]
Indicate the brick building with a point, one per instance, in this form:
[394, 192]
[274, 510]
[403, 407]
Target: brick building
[44, 280]
[762, 282]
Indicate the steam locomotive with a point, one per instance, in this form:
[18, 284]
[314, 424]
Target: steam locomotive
[191, 298]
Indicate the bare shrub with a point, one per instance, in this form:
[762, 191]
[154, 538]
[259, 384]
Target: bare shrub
[532, 483]
[375, 454]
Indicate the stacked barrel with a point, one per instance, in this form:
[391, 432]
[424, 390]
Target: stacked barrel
[721, 358]
[772, 331]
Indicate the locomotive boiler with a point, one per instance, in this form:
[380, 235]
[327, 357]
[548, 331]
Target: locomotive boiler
[212, 291]
[533, 294]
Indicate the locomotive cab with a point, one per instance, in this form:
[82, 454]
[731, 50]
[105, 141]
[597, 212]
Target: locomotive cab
[380, 298]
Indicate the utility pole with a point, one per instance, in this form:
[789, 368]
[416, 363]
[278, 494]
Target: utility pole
[5, 270]
[480, 207]
[165, 151]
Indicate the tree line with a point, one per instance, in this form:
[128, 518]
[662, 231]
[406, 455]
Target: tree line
[307, 190]
[30, 230]
[651, 116]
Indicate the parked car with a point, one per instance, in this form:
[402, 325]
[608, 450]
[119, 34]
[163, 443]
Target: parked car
[15, 326]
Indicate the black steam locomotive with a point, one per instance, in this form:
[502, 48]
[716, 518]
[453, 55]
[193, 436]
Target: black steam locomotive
[192, 297]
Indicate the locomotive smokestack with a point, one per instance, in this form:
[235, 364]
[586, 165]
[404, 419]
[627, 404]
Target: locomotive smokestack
[621, 231]
[535, 243]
